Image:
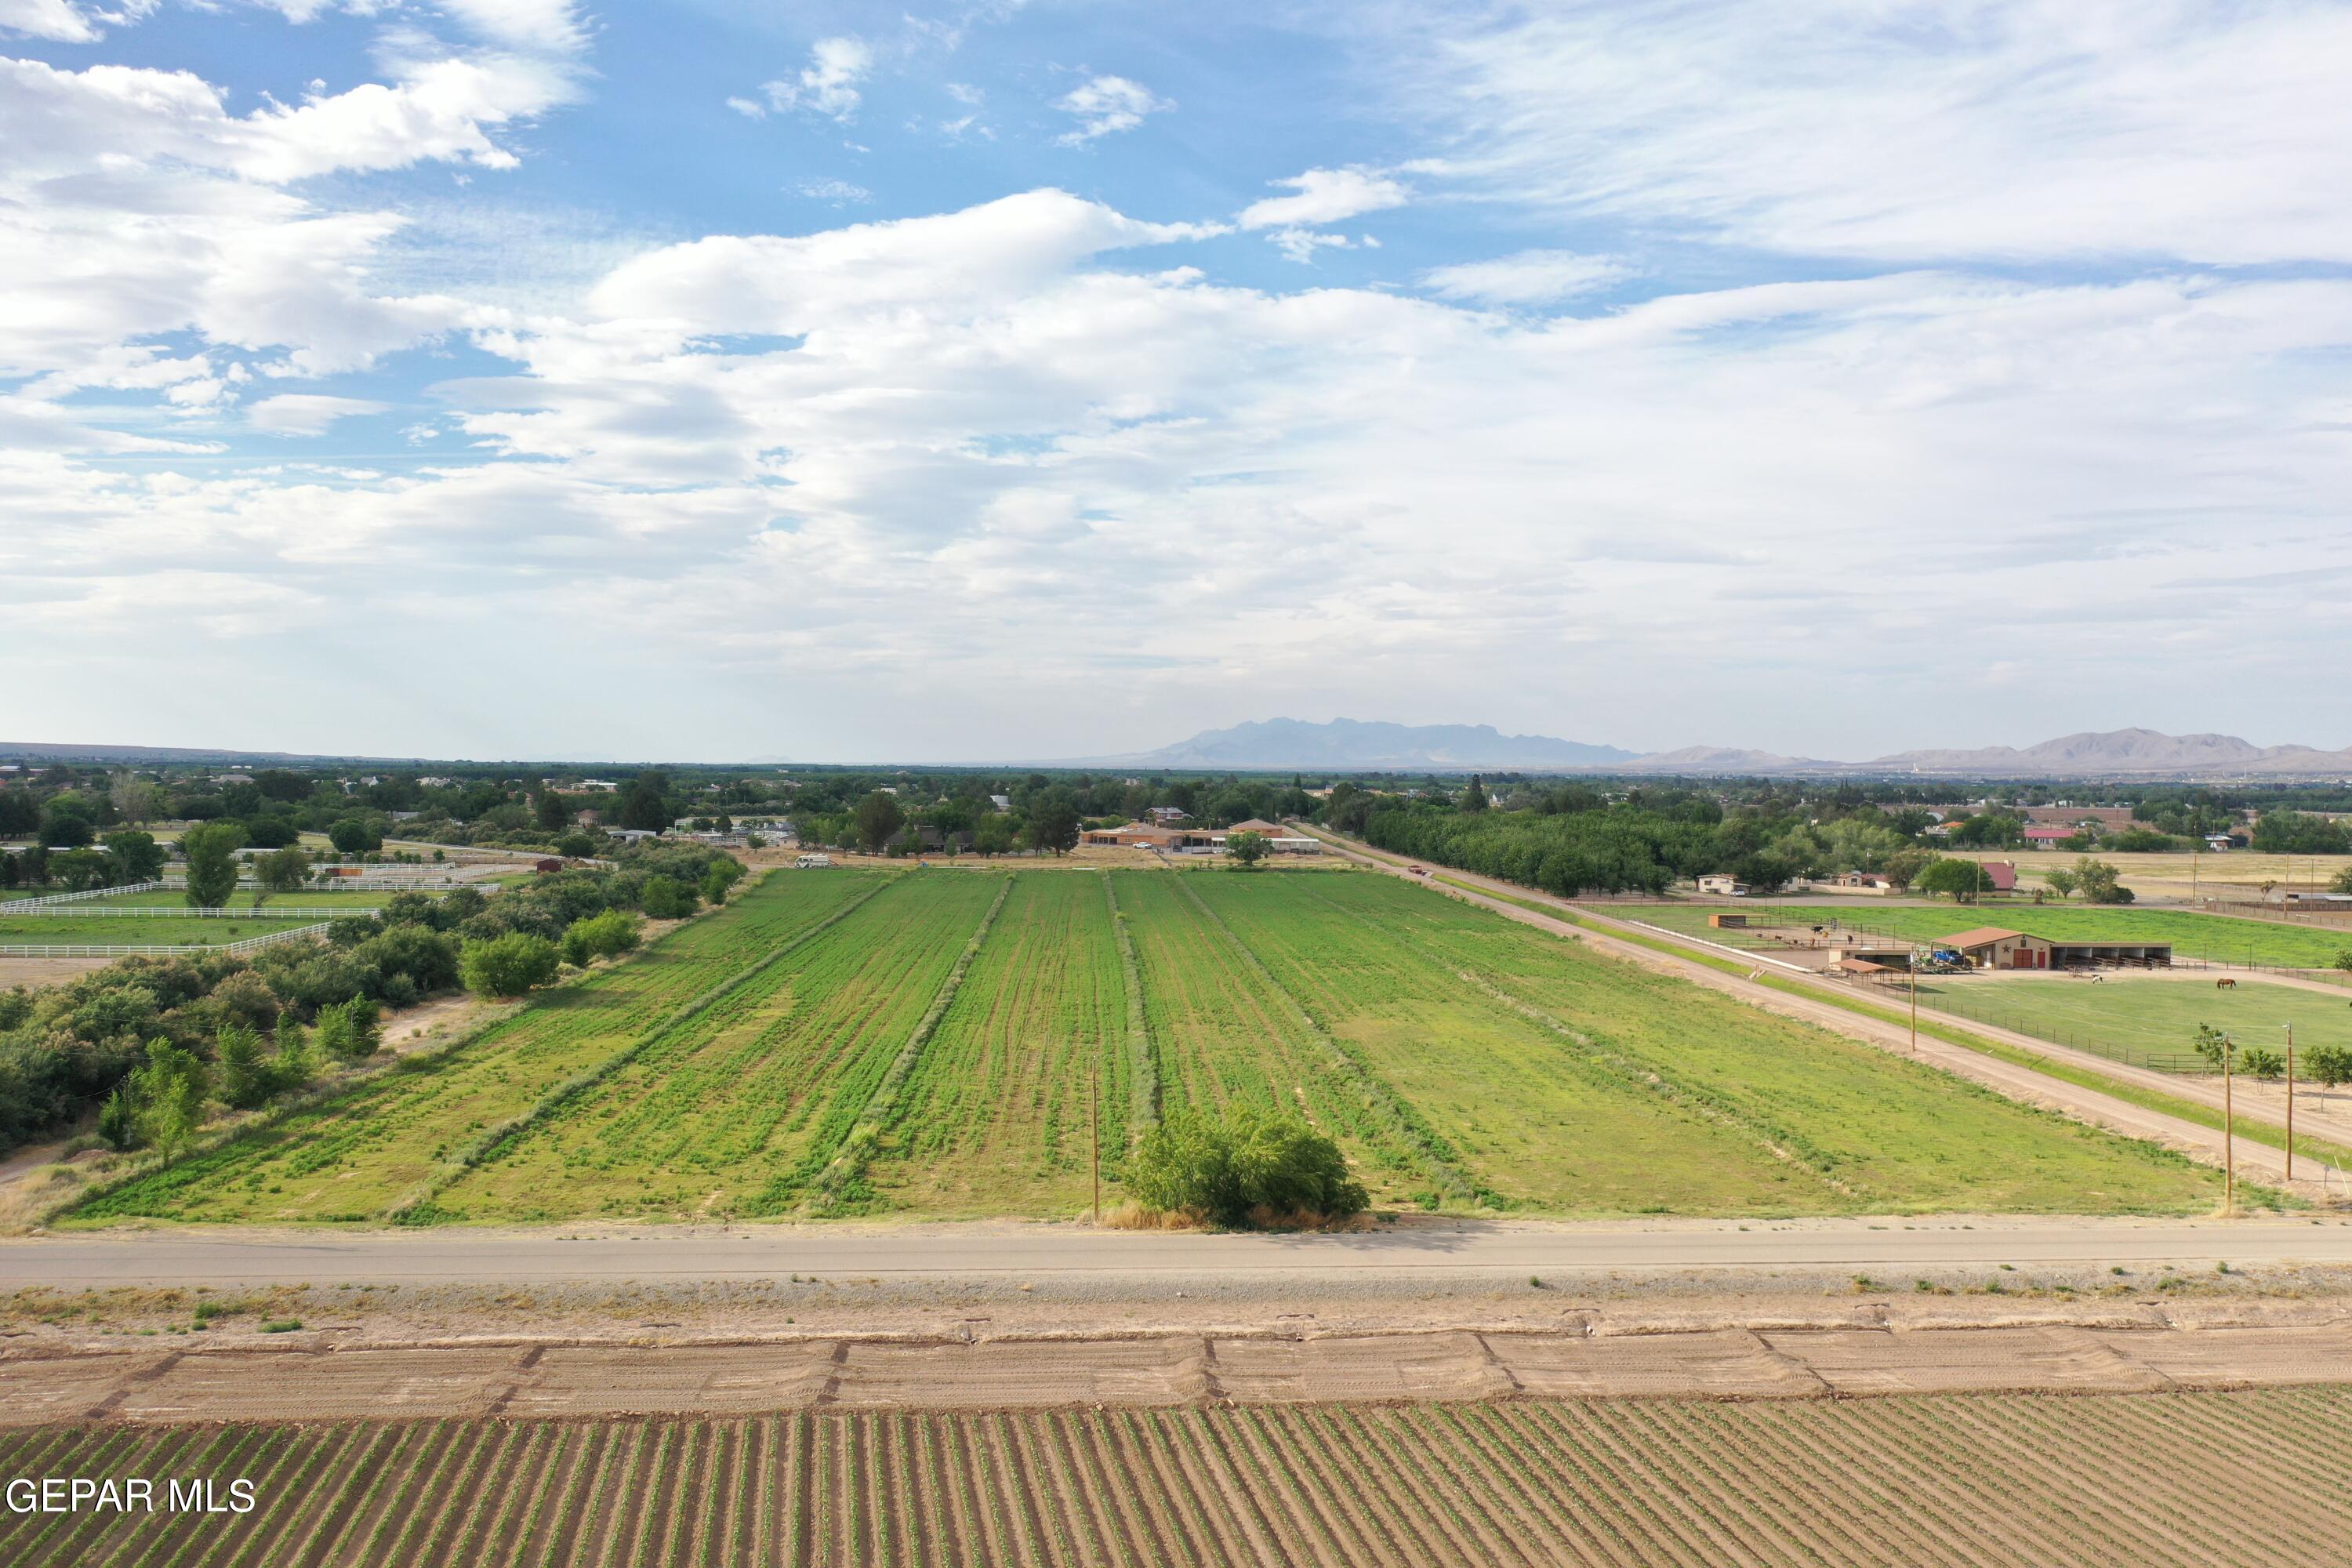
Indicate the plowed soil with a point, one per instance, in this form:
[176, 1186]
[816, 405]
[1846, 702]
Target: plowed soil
[1946, 1481]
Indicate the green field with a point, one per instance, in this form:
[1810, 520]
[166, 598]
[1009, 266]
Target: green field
[922, 1045]
[307, 898]
[2219, 939]
[59, 929]
[2147, 1018]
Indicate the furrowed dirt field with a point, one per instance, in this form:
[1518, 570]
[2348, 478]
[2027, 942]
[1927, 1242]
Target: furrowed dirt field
[1959, 1480]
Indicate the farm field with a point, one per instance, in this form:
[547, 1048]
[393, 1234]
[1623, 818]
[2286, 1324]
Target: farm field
[357, 1155]
[2219, 939]
[995, 1119]
[919, 1045]
[1831, 1123]
[1945, 1482]
[740, 1111]
[2173, 875]
[164, 931]
[2157, 1017]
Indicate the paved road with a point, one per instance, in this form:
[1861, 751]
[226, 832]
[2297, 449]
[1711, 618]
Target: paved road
[183, 1257]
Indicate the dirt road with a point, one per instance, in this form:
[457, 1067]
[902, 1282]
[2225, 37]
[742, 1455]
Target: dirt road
[187, 1257]
[2257, 1160]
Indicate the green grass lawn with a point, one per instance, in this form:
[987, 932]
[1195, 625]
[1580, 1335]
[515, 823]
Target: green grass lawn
[2148, 1016]
[62, 929]
[307, 898]
[2221, 938]
[1452, 1052]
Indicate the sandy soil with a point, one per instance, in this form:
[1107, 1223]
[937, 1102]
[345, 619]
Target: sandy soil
[311, 1374]
[37, 971]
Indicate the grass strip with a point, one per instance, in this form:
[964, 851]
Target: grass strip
[415, 1207]
[865, 1133]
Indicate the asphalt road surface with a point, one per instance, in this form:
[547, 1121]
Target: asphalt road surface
[251, 1257]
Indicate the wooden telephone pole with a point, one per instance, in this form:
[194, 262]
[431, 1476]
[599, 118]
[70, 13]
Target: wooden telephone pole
[2289, 1102]
[2228, 1130]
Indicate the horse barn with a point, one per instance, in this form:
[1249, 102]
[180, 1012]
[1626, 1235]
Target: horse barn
[1993, 947]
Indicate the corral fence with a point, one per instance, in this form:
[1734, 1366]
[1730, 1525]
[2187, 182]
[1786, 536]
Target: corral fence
[137, 949]
[1765, 935]
[51, 900]
[181, 913]
[1987, 1012]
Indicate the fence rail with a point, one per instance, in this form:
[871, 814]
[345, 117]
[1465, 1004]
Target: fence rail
[137, 949]
[50, 901]
[171, 912]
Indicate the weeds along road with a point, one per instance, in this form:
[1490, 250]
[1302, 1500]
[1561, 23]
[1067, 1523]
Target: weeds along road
[1407, 1250]
[2258, 1162]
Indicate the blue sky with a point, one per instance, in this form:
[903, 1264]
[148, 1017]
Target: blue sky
[512, 377]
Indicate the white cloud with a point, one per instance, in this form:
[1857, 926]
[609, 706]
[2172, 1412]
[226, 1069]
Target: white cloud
[837, 192]
[1301, 244]
[746, 108]
[1525, 278]
[1105, 105]
[1908, 129]
[306, 413]
[66, 22]
[1324, 196]
[827, 85]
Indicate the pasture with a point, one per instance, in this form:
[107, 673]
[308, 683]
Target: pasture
[2141, 1017]
[2217, 938]
[158, 931]
[2166, 1480]
[927, 1045]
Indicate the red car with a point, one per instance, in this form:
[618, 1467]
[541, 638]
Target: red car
[1417, 871]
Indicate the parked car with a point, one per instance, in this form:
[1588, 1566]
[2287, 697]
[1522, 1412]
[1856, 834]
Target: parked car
[1417, 870]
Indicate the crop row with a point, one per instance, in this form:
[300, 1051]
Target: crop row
[741, 1114]
[358, 1152]
[995, 1118]
[1955, 1481]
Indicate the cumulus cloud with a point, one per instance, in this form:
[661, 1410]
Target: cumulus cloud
[827, 85]
[66, 22]
[306, 413]
[1907, 130]
[1324, 196]
[1525, 278]
[1106, 105]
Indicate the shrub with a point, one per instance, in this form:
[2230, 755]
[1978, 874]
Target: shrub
[508, 965]
[599, 936]
[116, 1124]
[664, 899]
[1248, 1166]
[347, 1031]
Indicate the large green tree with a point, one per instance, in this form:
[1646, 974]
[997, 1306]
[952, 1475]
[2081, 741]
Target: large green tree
[878, 818]
[1053, 823]
[137, 856]
[212, 851]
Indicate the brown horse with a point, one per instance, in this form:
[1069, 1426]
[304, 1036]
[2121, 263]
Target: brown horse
[2225, 985]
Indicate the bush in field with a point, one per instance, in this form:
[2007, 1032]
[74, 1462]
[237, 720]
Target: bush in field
[2330, 1067]
[168, 1096]
[664, 899]
[2260, 1062]
[347, 1031]
[601, 936]
[508, 965]
[1243, 1167]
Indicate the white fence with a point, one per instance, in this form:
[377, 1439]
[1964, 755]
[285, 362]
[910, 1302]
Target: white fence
[181, 913]
[50, 900]
[132, 950]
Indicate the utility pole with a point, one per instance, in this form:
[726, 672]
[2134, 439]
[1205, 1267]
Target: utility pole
[2289, 1102]
[1094, 1121]
[2228, 1131]
[1915, 999]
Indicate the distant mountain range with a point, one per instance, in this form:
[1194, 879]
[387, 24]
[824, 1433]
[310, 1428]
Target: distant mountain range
[1352, 743]
[1356, 745]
